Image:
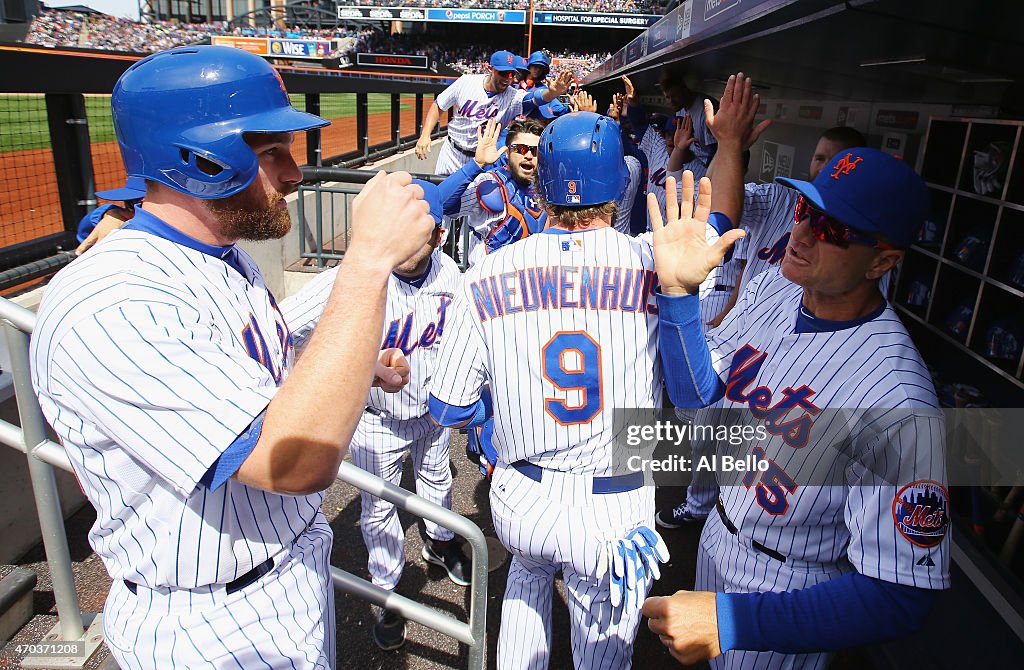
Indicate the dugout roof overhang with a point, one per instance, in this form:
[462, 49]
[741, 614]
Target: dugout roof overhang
[32, 69]
[928, 51]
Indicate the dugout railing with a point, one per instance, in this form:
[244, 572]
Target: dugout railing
[45, 456]
[324, 238]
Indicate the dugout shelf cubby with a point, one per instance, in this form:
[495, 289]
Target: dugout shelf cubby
[964, 276]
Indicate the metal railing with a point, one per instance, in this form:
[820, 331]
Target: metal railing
[319, 241]
[44, 456]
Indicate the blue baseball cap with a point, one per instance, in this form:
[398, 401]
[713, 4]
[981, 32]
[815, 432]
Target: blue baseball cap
[520, 64]
[871, 191]
[551, 110]
[134, 189]
[663, 123]
[539, 58]
[503, 61]
[432, 194]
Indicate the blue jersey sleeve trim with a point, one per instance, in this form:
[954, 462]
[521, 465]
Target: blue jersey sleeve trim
[690, 378]
[227, 463]
[850, 611]
[455, 416]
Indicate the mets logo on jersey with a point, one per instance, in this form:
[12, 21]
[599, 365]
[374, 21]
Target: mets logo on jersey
[921, 512]
[572, 192]
[791, 417]
[846, 166]
[774, 253]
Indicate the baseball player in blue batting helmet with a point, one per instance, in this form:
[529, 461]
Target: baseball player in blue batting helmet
[581, 160]
[558, 504]
[166, 366]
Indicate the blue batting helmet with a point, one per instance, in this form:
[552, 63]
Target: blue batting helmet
[177, 106]
[539, 58]
[580, 160]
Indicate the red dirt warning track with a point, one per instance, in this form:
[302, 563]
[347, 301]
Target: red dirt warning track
[30, 208]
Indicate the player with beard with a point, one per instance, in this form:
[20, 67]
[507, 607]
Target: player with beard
[167, 369]
[500, 205]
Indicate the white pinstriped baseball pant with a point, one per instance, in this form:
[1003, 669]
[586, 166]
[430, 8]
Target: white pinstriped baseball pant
[379, 446]
[560, 524]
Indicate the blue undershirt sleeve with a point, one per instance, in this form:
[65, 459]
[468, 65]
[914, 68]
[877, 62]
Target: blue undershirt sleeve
[722, 224]
[690, 378]
[850, 611]
[454, 416]
[455, 185]
[637, 119]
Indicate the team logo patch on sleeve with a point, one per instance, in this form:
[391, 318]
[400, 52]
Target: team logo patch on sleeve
[921, 512]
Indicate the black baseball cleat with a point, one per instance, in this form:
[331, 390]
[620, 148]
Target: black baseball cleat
[389, 629]
[449, 555]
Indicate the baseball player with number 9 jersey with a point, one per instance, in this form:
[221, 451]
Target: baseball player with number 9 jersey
[563, 326]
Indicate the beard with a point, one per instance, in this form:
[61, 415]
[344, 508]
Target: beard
[252, 215]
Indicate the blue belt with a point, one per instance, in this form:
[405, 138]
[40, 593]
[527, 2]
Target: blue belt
[615, 484]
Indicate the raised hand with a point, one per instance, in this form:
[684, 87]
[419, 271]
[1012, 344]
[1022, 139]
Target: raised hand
[561, 84]
[734, 120]
[682, 254]
[487, 150]
[615, 109]
[584, 102]
[683, 137]
[630, 90]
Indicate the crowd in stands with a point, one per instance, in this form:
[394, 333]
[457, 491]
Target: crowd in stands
[60, 28]
[627, 6]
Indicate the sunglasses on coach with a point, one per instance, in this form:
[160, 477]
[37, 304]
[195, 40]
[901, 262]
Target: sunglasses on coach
[827, 229]
[523, 149]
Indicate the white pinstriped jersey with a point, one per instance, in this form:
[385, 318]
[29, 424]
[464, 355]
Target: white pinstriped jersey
[414, 320]
[653, 146]
[702, 149]
[474, 106]
[768, 219]
[633, 186]
[552, 322]
[794, 382]
[149, 359]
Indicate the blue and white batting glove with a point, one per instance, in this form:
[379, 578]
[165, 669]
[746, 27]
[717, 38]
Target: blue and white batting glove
[651, 548]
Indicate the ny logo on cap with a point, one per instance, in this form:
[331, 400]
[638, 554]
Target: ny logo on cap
[509, 58]
[846, 166]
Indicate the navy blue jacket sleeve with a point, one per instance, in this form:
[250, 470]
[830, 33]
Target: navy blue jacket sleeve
[690, 378]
